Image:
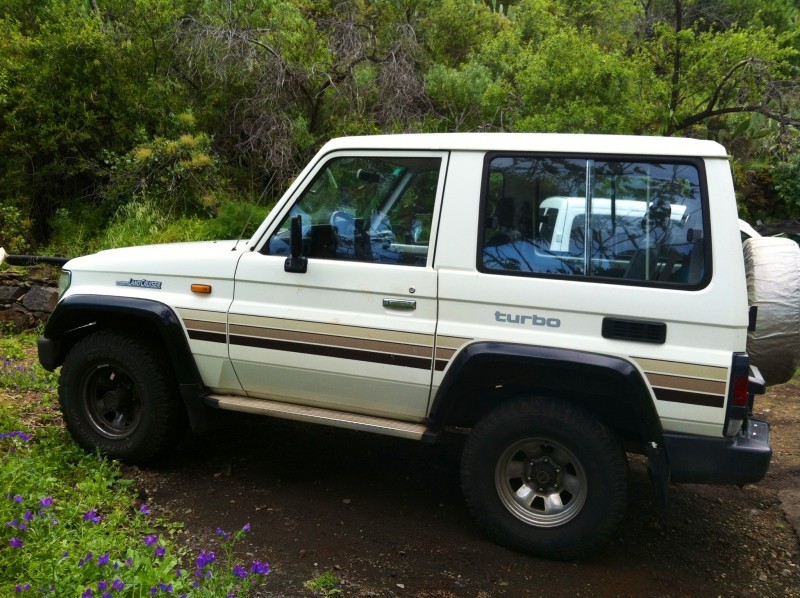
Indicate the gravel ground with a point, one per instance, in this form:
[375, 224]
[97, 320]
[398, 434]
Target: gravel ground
[387, 517]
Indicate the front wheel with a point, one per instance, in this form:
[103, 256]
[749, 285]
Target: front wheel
[545, 477]
[117, 395]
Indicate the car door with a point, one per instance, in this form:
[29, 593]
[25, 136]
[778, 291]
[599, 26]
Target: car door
[355, 331]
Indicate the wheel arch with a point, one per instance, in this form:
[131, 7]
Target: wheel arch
[486, 373]
[79, 315]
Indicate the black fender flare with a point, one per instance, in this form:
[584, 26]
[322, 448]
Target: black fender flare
[77, 315]
[560, 371]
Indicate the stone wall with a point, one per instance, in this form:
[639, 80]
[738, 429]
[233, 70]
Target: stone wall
[26, 299]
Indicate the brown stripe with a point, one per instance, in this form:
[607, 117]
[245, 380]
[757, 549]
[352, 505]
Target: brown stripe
[212, 337]
[338, 352]
[688, 384]
[332, 340]
[204, 325]
[690, 398]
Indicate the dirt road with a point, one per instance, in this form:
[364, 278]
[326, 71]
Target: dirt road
[387, 517]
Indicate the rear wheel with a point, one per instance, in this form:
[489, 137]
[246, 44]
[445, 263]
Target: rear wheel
[545, 477]
[117, 395]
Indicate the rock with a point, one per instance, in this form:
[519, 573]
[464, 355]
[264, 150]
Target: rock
[10, 293]
[41, 299]
[15, 319]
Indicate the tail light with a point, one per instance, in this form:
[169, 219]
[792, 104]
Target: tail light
[738, 394]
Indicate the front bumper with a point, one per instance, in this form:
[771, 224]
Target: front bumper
[50, 355]
[743, 459]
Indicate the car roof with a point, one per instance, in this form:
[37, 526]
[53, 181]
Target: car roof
[533, 142]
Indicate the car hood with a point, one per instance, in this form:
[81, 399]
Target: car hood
[207, 259]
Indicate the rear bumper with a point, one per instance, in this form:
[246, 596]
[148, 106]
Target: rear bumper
[743, 459]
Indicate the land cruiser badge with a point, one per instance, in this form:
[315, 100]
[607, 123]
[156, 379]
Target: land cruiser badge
[144, 284]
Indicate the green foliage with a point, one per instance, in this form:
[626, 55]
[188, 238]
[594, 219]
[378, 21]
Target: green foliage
[235, 220]
[187, 106]
[16, 373]
[75, 231]
[180, 175]
[15, 230]
[323, 585]
[144, 222]
[786, 177]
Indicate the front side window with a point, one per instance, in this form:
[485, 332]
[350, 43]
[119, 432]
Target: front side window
[627, 220]
[370, 209]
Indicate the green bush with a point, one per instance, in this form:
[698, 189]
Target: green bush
[786, 177]
[15, 230]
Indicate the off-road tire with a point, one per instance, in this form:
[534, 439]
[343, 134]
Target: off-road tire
[118, 395]
[568, 465]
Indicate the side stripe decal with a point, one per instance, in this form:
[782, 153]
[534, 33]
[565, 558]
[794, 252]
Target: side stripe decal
[329, 351]
[686, 383]
[392, 347]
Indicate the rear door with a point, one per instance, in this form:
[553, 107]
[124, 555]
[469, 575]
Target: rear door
[355, 332]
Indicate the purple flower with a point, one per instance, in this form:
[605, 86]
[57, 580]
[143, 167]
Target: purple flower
[15, 543]
[205, 558]
[129, 562]
[106, 595]
[160, 551]
[246, 527]
[260, 568]
[143, 509]
[24, 588]
[25, 437]
[22, 527]
[46, 502]
[117, 584]
[240, 571]
[102, 585]
[222, 533]
[153, 590]
[166, 588]
[28, 515]
[18, 498]
[88, 593]
[12, 523]
[92, 516]
[150, 540]
[103, 560]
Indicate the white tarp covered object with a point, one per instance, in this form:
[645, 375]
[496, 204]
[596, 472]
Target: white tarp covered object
[773, 284]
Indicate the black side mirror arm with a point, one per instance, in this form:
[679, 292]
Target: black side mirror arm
[296, 262]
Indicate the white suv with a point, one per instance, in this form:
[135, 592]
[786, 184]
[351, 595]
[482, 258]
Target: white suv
[559, 300]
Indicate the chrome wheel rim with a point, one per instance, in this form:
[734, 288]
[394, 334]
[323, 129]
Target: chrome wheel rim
[541, 482]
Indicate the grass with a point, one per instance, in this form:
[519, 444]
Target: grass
[70, 523]
[323, 585]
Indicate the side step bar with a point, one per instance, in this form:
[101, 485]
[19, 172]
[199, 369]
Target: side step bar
[318, 415]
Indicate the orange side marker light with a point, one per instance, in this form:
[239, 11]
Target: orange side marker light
[201, 288]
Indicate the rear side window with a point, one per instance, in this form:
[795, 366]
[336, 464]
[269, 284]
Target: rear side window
[638, 221]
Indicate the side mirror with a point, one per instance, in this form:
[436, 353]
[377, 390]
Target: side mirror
[296, 262]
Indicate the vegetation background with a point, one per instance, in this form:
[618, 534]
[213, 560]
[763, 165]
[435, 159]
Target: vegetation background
[138, 121]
